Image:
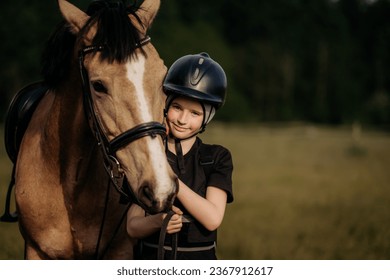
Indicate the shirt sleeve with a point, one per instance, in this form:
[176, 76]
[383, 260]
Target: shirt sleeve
[221, 176]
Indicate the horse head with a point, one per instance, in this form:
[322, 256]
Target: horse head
[122, 77]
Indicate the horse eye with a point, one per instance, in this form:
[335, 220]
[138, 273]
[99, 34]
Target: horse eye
[99, 87]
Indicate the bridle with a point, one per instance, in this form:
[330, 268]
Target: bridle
[109, 148]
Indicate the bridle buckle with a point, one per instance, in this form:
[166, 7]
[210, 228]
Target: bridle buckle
[115, 170]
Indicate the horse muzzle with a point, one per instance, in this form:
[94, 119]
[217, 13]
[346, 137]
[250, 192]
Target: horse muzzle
[153, 202]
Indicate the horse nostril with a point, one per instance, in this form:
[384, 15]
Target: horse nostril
[147, 197]
[151, 202]
[146, 193]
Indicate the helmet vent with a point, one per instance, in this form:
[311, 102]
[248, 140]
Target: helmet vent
[196, 74]
[195, 77]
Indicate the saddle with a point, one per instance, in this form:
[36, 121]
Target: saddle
[19, 114]
[17, 119]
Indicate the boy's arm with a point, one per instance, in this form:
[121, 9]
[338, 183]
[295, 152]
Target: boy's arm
[208, 211]
[140, 226]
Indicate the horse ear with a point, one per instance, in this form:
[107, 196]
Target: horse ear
[147, 12]
[73, 15]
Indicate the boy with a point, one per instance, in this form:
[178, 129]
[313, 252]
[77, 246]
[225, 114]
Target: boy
[195, 86]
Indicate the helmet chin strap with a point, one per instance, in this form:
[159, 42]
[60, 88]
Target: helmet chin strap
[180, 156]
[179, 150]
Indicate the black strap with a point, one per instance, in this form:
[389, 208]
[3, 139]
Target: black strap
[180, 156]
[161, 240]
[8, 216]
[145, 129]
[206, 159]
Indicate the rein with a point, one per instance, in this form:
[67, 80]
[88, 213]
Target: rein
[161, 240]
[109, 148]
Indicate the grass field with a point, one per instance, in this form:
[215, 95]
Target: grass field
[301, 192]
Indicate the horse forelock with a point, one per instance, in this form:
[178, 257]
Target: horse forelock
[114, 30]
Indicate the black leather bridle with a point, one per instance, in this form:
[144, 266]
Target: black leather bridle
[109, 148]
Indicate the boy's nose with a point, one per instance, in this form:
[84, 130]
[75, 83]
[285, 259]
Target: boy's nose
[182, 119]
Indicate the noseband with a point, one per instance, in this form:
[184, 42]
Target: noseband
[109, 148]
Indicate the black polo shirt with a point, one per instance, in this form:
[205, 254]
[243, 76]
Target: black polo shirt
[198, 177]
[195, 177]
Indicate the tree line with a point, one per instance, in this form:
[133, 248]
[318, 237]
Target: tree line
[323, 61]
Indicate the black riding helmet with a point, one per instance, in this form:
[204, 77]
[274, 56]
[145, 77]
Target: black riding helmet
[199, 77]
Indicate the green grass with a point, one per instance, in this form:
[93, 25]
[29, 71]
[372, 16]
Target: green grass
[301, 192]
[305, 192]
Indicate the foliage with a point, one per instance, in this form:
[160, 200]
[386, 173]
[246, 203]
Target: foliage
[322, 61]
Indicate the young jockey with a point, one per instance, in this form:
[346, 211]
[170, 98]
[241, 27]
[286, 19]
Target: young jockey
[195, 87]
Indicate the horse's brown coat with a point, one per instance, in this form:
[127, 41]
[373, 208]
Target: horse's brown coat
[61, 183]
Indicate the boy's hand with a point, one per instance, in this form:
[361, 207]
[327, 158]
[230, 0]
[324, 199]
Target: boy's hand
[175, 223]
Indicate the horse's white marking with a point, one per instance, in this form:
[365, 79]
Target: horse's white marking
[135, 73]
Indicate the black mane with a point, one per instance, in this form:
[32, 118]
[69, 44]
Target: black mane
[115, 32]
[57, 55]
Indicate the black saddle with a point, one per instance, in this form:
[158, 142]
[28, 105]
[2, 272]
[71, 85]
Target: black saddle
[19, 114]
[17, 119]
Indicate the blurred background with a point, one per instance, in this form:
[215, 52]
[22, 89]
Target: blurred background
[307, 117]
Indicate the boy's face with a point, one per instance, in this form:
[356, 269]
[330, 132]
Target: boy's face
[185, 117]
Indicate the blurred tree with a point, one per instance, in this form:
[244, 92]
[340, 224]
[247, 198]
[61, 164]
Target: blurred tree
[375, 41]
[24, 33]
[322, 61]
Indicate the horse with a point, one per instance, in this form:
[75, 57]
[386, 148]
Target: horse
[97, 126]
